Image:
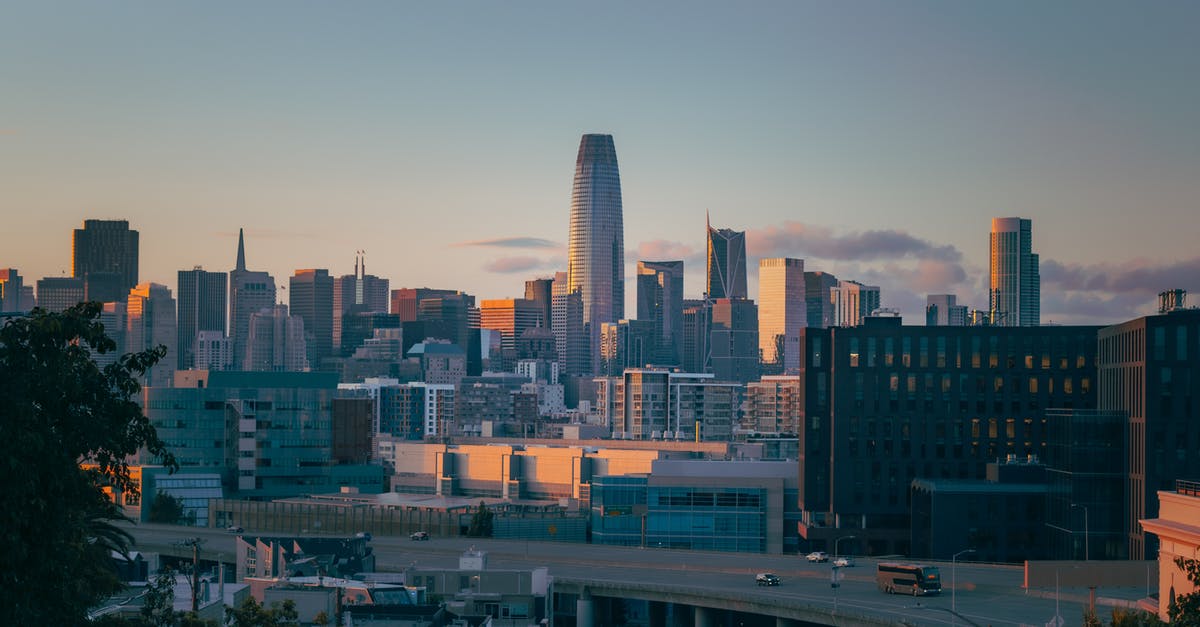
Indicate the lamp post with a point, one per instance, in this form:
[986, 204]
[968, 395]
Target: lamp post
[837, 542]
[954, 580]
[1085, 529]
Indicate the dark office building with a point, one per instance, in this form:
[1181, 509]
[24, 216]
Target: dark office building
[1000, 518]
[310, 298]
[1149, 368]
[733, 340]
[201, 307]
[694, 355]
[891, 403]
[1087, 457]
[106, 246]
[541, 292]
[358, 327]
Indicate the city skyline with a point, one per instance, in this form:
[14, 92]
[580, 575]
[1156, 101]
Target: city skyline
[875, 142]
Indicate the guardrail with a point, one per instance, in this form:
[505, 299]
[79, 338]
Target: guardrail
[1189, 488]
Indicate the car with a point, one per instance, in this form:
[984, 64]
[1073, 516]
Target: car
[366, 535]
[818, 556]
[766, 579]
[844, 562]
[234, 529]
[418, 535]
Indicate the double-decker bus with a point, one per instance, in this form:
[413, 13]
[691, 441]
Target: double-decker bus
[911, 579]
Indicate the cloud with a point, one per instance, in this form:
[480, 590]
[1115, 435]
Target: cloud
[513, 242]
[665, 250]
[1139, 276]
[797, 239]
[522, 263]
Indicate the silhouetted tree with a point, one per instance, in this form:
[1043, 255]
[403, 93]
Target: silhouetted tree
[58, 409]
[166, 509]
[481, 522]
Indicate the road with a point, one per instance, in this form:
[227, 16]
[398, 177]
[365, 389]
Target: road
[987, 594]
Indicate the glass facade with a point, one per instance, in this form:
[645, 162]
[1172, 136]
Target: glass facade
[700, 517]
[596, 241]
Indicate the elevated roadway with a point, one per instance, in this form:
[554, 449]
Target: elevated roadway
[986, 594]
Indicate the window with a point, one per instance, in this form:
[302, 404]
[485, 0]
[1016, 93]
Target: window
[853, 352]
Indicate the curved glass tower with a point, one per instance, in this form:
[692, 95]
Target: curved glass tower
[596, 242]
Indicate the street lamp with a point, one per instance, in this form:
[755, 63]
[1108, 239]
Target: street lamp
[1085, 529]
[954, 579]
[838, 541]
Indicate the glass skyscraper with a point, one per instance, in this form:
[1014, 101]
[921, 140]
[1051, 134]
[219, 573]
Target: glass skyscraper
[726, 263]
[596, 242]
[1015, 292]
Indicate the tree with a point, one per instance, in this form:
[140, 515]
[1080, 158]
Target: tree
[481, 522]
[166, 509]
[58, 409]
[251, 614]
[1184, 609]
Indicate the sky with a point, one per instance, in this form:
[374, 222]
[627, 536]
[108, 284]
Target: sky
[874, 140]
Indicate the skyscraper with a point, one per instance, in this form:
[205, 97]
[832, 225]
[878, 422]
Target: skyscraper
[310, 298]
[541, 291]
[355, 294]
[150, 321]
[817, 299]
[1016, 285]
[249, 292]
[10, 290]
[596, 241]
[567, 325]
[106, 246]
[943, 310]
[734, 339]
[781, 311]
[275, 341]
[202, 297]
[726, 263]
[852, 302]
[660, 300]
[59, 293]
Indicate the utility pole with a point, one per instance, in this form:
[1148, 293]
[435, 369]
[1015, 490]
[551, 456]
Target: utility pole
[195, 580]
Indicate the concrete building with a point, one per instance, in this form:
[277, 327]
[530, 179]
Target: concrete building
[249, 293]
[275, 342]
[59, 293]
[212, 350]
[1177, 527]
[774, 404]
[697, 325]
[627, 344]
[202, 299]
[106, 246]
[150, 321]
[567, 326]
[782, 312]
[853, 302]
[1015, 281]
[649, 404]
[660, 302]
[113, 317]
[441, 363]
[943, 310]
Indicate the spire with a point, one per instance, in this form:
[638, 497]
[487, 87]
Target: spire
[241, 257]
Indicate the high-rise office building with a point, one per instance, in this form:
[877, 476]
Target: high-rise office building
[541, 291]
[660, 301]
[406, 301]
[626, 344]
[355, 294]
[275, 341]
[1015, 292]
[818, 301]
[734, 339]
[106, 246]
[695, 355]
[59, 293]
[943, 310]
[202, 297]
[310, 298]
[781, 311]
[10, 290]
[249, 292]
[852, 302]
[596, 241]
[511, 317]
[567, 324]
[726, 263]
[150, 321]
